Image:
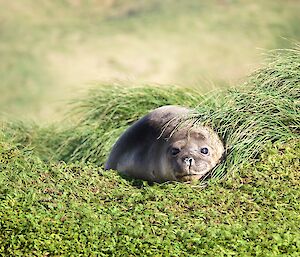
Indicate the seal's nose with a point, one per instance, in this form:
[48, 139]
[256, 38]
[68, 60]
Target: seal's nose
[188, 161]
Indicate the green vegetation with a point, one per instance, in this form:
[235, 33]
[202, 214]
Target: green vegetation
[58, 209]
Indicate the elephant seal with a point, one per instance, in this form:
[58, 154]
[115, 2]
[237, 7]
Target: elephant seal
[164, 146]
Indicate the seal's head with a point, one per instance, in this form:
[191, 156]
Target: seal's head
[191, 154]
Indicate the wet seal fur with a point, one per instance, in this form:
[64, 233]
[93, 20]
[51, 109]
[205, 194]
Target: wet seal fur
[163, 146]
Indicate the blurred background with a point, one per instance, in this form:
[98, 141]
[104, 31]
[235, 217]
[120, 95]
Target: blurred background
[52, 49]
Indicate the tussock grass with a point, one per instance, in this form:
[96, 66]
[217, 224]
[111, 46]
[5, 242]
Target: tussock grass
[108, 110]
[43, 140]
[265, 108]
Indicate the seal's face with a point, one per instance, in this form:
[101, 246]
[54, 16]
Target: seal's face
[193, 154]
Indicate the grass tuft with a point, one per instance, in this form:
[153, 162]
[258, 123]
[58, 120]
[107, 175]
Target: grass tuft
[265, 109]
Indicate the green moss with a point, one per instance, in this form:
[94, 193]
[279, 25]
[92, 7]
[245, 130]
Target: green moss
[60, 209]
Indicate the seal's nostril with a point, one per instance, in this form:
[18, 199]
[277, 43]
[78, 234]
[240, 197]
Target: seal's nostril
[188, 160]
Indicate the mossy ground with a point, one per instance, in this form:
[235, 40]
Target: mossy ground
[54, 209]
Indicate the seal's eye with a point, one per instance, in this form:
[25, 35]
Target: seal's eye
[204, 150]
[175, 151]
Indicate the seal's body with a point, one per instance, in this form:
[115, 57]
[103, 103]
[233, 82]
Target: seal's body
[161, 147]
